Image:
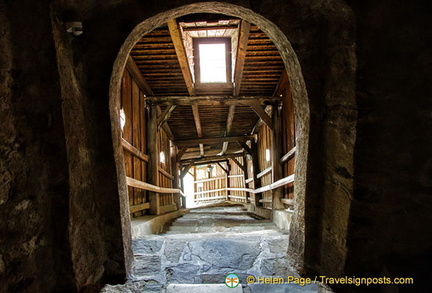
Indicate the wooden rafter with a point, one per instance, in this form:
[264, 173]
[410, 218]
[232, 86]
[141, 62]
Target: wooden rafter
[222, 167]
[256, 106]
[246, 147]
[212, 100]
[214, 140]
[211, 159]
[165, 126]
[181, 54]
[197, 119]
[241, 55]
[186, 170]
[260, 123]
[181, 152]
[138, 77]
[230, 119]
[240, 165]
[165, 115]
[282, 84]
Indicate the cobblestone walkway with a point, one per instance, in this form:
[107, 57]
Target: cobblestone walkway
[204, 246]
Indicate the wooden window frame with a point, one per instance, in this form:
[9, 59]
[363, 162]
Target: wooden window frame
[197, 69]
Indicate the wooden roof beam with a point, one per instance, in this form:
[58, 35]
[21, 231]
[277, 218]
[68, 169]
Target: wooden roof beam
[138, 77]
[215, 140]
[212, 159]
[282, 84]
[256, 106]
[241, 55]
[181, 54]
[197, 119]
[230, 119]
[212, 100]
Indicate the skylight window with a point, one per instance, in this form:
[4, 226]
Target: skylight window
[212, 59]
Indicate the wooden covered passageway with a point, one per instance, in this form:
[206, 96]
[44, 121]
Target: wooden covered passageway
[207, 95]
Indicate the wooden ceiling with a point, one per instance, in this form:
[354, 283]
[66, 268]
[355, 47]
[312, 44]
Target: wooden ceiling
[192, 114]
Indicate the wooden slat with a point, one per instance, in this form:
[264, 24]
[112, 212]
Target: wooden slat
[139, 207]
[181, 54]
[241, 54]
[150, 187]
[288, 155]
[138, 77]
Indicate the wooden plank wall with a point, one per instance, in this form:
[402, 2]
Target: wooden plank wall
[165, 175]
[288, 128]
[237, 180]
[134, 132]
[202, 184]
[264, 143]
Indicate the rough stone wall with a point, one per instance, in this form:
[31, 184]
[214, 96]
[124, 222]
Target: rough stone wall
[34, 249]
[391, 219]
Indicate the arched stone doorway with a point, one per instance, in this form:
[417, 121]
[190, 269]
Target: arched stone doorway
[295, 78]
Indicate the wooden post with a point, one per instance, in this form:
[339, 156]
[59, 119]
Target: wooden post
[152, 151]
[255, 167]
[175, 173]
[277, 148]
[227, 182]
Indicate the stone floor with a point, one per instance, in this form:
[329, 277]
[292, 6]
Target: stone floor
[200, 248]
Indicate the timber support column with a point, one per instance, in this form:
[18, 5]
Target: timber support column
[255, 169]
[175, 173]
[277, 171]
[152, 151]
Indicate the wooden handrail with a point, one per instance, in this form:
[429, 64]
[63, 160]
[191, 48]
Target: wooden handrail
[266, 171]
[235, 176]
[210, 179]
[165, 173]
[279, 183]
[134, 151]
[150, 187]
[288, 155]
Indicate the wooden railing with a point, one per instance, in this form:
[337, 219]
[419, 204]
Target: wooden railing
[150, 187]
[284, 181]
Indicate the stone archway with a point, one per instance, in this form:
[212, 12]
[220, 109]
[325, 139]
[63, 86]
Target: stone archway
[292, 65]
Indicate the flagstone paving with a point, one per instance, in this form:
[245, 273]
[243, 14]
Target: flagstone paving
[200, 248]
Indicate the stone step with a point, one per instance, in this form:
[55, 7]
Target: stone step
[142, 286]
